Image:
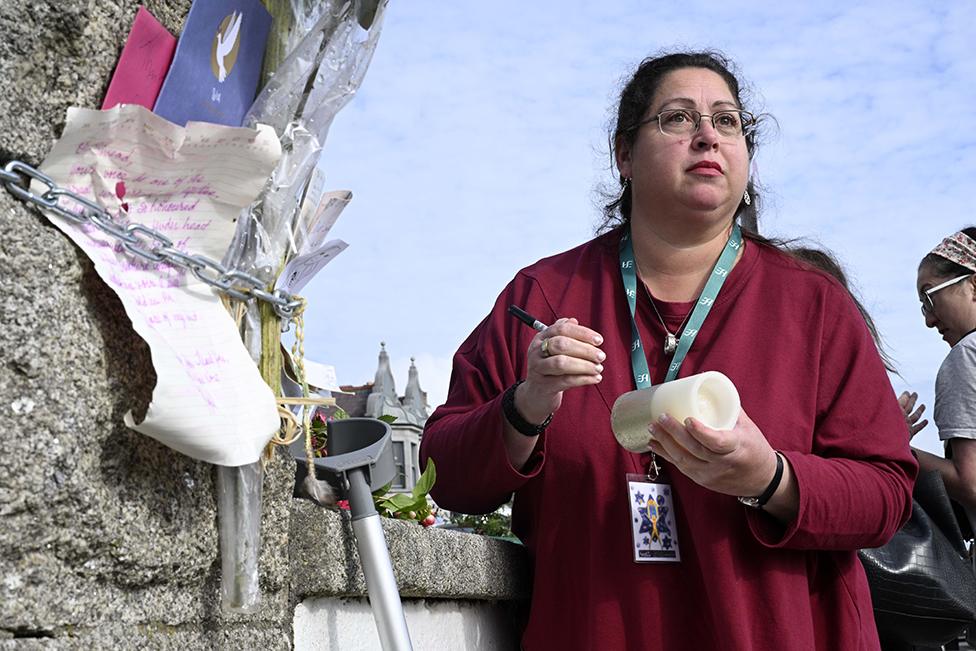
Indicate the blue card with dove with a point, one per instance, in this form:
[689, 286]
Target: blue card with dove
[217, 65]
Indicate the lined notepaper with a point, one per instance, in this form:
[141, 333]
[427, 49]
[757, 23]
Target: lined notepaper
[190, 184]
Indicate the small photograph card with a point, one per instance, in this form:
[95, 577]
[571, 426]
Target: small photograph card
[143, 64]
[215, 71]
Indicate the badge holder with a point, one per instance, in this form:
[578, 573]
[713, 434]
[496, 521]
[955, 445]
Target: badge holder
[652, 522]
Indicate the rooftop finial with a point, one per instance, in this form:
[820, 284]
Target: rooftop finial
[415, 400]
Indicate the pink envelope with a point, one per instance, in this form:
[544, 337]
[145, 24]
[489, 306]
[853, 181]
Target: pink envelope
[143, 65]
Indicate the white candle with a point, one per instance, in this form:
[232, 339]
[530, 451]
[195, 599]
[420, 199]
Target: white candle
[709, 397]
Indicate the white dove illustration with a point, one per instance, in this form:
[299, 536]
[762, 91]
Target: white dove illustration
[225, 43]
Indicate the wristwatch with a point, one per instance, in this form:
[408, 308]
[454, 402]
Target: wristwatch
[514, 418]
[760, 500]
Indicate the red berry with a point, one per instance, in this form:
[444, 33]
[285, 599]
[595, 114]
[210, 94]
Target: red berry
[429, 520]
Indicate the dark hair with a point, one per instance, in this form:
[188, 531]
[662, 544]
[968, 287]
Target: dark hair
[944, 267]
[822, 260]
[635, 98]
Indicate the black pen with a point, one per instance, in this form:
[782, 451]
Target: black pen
[526, 318]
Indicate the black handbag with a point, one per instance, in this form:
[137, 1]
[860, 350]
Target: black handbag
[922, 582]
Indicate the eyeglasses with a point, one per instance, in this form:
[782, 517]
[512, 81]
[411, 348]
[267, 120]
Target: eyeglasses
[685, 122]
[926, 297]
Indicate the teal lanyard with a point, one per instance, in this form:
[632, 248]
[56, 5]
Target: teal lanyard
[638, 361]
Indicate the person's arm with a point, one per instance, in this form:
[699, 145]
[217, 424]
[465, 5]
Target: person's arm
[853, 490]
[958, 473]
[737, 462]
[560, 358]
[955, 419]
[481, 457]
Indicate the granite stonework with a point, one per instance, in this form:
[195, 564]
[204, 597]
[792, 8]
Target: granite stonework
[426, 562]
[59, 54]
[108, 539]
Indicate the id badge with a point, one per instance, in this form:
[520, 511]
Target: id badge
[655, 536]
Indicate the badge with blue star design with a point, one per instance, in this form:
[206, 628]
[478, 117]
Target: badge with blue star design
[655, 536]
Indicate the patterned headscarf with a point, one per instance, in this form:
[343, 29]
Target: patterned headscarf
[958, 248]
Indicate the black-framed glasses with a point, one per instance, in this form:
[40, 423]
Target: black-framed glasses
[685, 122]
[926, 296]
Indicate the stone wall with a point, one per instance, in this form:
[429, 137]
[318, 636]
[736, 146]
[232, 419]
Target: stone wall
[107, 538]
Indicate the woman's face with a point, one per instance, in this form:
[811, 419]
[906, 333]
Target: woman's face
[953, 311]
[704, 171]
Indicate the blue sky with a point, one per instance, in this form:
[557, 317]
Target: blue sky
[477, 144]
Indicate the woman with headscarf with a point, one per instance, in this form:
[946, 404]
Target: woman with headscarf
[947, 289]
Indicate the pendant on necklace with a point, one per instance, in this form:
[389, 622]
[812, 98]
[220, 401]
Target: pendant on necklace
[670, 344]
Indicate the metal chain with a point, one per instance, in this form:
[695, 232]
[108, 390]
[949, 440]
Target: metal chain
[142, 241]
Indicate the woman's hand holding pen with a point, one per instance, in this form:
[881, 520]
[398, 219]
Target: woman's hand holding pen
[562, 356]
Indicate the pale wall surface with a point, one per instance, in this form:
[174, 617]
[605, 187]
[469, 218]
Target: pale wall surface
[328, 624]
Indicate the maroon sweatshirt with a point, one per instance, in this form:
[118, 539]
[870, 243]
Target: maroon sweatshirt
[808, 374]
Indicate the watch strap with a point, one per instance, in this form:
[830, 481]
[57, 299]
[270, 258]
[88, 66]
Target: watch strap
[760, 500]
[515, 419]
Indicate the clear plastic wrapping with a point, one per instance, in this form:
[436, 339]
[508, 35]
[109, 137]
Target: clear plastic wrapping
[239, 492]
[300, 101]
[334, 44]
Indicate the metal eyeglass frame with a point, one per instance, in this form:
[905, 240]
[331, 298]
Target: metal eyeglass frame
[746, 119]
[927, 305]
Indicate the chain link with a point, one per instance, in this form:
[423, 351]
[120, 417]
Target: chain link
[142, 241]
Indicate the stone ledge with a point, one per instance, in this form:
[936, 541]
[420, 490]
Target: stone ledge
[347, 623]
[158, 637]
[429, 563]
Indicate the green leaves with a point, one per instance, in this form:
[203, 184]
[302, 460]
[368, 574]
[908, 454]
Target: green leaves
[426, 481]
[407, 506]
[497, 524]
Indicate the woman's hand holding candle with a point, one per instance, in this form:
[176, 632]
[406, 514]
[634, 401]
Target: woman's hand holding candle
[736, 462]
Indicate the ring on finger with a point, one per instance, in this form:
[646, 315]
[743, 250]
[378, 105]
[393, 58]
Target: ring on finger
[545, 348]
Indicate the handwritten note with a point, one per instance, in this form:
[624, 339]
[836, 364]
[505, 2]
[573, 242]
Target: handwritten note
[143, 64]
[315, 220]
[301, 269]
[190, 184]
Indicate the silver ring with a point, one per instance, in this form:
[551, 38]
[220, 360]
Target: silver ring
[545, 348]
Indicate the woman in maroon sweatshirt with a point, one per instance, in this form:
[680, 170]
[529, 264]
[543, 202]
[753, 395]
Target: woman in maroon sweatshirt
[655, 551]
